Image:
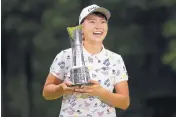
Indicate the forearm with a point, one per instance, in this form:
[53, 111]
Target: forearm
[52, 91]
[115, 99]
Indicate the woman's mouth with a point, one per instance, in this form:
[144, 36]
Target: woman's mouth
[98, 33]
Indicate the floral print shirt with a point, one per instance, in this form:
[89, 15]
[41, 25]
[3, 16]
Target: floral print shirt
[105, 67]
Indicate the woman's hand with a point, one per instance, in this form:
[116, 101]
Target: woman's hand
[66, 89]
[93, 90]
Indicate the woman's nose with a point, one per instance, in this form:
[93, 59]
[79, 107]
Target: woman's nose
[98, 26]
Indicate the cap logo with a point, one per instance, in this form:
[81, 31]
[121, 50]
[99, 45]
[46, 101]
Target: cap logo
[92, 8]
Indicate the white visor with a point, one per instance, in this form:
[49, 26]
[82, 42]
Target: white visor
[93, 8]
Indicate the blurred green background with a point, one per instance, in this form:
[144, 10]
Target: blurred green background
[142, 31]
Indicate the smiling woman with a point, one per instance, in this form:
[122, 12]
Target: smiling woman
[95, 28]
[107, 71]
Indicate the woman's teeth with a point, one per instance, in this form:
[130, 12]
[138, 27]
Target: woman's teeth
[97, 33]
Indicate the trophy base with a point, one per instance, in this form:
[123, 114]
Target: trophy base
[86, 84]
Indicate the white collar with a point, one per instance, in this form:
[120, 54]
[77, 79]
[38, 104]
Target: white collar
[100, 54]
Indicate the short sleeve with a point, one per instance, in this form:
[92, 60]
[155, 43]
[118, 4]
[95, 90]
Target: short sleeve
[58, 66]
[121, 74]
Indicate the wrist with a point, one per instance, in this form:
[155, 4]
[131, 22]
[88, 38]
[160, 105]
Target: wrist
[102, 92]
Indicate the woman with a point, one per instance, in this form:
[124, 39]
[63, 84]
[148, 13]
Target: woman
[107, 71]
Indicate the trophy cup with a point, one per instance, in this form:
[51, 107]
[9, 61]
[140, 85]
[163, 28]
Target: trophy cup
[79, 73]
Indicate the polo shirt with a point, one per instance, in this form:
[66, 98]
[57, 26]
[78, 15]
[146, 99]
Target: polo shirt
[106, 67]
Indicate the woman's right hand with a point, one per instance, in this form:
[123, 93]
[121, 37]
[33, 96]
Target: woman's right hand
[55, 88]
[66, 87]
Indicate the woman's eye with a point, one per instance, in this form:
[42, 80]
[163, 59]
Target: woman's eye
[103, 21]
[92, 21]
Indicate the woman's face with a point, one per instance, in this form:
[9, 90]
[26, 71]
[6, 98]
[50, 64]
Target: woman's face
[95, 28]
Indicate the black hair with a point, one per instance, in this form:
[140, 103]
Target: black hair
[98, 14]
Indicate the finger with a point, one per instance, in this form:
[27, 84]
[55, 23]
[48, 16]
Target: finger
[64, 86]
[78, 90]
[86, 87]
[68, 83]
[67, 88]
[69, 92]
[72, 88]
[76, 87]
[83, 90]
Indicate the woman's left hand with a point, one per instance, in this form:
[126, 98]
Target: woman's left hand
[93, 90]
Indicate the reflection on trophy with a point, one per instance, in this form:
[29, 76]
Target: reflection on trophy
[79, 73]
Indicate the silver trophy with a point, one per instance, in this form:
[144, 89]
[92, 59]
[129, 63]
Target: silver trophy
[79, 73]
